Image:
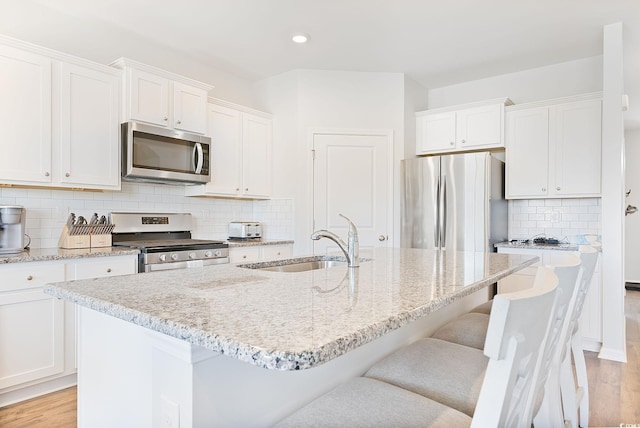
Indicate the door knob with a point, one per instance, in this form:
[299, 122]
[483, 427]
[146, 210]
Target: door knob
[382, 238]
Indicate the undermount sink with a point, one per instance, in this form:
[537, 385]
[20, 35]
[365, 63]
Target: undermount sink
[301, 264]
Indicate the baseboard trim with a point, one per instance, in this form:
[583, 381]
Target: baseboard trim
[37, 390]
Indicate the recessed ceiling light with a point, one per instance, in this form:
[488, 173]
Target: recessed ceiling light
[300, 38]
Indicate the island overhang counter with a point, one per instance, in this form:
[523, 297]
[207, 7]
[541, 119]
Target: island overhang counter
[232, 346]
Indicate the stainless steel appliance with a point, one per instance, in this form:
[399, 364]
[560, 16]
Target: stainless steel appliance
[453, 202]
[241, 230]
[165, 242]
[12, 221]
[156, 154]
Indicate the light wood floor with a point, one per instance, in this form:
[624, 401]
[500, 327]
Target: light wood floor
[614, 389]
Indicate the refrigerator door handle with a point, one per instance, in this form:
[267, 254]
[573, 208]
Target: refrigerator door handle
[436, 215]
[443, 213]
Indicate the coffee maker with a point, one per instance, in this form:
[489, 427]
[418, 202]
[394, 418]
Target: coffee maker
[12, 219]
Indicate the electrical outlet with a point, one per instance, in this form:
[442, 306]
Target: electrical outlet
[169, 413]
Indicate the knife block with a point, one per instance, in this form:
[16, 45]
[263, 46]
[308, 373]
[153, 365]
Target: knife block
[69, 241]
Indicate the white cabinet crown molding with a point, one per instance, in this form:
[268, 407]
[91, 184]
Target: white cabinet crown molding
[122, 62]
[554, 101]
[56, 55]
[502, 100]
[239, 107]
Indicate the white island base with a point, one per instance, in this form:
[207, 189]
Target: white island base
[130, 376]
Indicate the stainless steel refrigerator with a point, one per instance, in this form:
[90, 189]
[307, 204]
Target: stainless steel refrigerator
[453, 202]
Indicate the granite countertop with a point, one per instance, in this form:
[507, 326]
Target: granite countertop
[252, 243]
[532, 246]
[292, 321]
[49, 254]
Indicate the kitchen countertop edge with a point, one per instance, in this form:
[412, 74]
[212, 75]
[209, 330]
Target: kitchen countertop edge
[274, 359]
[53, 254]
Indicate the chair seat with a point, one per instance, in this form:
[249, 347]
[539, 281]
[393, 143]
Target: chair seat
[484, 308]
[469, 329]
[365, 402]
[445, 372]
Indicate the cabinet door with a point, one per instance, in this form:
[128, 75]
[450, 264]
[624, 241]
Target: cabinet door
[89, 143]
[244, 254]
[149, 97]
[225, 129]
[31, 323]
[256, 154]
[275, 252]
[479, 127]
[576, 148]
[436, 132]
[189, 108]
[25, 116]
[527, 157]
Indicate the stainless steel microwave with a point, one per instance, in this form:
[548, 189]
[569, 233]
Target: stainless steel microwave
[156, 154]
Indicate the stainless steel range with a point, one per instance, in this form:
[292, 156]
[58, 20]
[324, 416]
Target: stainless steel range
[165, 242]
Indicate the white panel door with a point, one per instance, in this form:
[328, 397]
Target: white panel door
[89, 138]
[352, 175]
[25, 116]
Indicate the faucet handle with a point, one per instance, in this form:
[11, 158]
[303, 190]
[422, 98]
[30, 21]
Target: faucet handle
[352, 226]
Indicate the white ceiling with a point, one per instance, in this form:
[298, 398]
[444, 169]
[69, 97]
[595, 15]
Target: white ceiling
[435, 42]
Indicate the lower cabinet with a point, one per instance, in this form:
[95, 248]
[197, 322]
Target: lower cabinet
[591, 319]
[259, 253]
[38, 331]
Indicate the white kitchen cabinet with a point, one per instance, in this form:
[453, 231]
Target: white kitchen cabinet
[161, 98]
[591, 318]
[240, 154]
[260, 253]
[462, 128]
[89, 137]
[25, 116]
[38, 331]
[60, 118]
[31, 324]
[554, 150]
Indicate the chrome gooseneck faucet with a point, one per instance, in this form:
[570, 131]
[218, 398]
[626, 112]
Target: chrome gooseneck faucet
[351, 250]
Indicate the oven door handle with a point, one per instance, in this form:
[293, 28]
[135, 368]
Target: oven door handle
[197, 164]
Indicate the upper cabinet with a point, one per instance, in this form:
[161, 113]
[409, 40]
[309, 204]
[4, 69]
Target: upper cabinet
[461, 128]
[554, 148]
[60, 119]
[240, 154]
[161, 98]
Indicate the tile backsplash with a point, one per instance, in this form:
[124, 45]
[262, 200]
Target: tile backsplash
[564, 219]
[47, 210]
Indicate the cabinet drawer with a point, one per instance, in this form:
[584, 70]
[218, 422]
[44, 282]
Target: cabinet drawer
[110, 266]
[276, 252]
[30, 275]
[244, 255]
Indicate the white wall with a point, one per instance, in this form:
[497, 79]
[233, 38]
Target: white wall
[552, 81]
[632, 222]
[302, 100]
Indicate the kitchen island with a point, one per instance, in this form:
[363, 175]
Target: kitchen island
[233, 346]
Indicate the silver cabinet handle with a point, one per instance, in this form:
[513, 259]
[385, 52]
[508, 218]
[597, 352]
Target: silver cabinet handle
[382, 238]
[165, 118]
[237, 189]
[246, 189]
[178, 122]
[108, 270]
[452, 143]
[557, 188]
[67, 175]
[544, 189]
[29, 278]
[46, 174]
[462, 141]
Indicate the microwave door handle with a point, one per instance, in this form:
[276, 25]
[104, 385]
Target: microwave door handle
[197, 166]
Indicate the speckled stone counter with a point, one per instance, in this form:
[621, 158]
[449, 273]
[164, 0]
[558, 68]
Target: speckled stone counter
[532, 246]
[253, 243]
[49, 254]
[292, 321]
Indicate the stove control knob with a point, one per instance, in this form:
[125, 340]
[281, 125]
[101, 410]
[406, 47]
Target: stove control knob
[162, 257]
[208, 254]
[192, 255]
[174, 256]
[218, 253]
